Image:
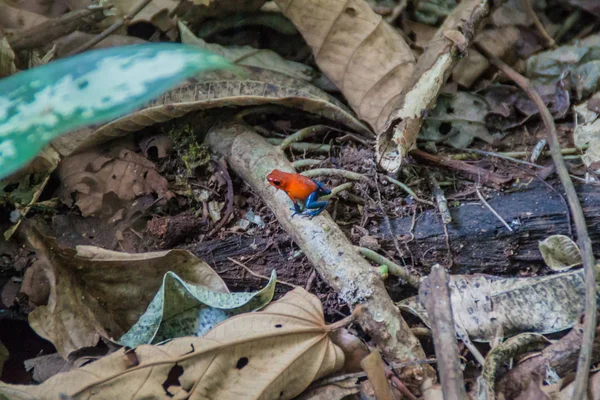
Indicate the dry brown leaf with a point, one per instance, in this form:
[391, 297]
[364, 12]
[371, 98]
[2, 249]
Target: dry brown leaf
[361, 53]
[94, 174]
[7, 59]
[218, 89]
[375, 369]
[96, 292]
[273, 354]
[337, 389]
[14, 18]
[35, 285]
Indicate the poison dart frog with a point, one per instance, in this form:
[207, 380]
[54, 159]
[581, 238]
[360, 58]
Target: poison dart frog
[300, 188]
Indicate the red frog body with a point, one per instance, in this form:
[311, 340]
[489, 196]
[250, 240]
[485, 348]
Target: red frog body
[300, 189]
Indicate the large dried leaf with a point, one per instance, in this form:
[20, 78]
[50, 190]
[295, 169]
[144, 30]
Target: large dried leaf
[483, 303]
[363, 55]
[96, 292]
[273, 354]
[182, 309]
[119, 172]
[219, 89]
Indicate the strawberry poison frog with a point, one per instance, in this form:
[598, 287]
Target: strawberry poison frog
[300, 188]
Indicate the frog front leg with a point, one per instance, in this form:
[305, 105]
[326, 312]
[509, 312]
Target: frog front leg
[296, 210]
[313, 206]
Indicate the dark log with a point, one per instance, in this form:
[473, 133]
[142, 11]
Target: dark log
[480, 243]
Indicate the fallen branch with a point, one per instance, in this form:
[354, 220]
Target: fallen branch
[583, 239]
[435, 294]
[55, 28]
[325, 245]
[479, 175]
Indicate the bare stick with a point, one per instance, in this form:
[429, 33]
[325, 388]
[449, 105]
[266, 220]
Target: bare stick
[538, 24]
[111, 29]
[435, 294]
[487, 205]
[55, 28]
[259, 275]
[324, 244]
[583, 239]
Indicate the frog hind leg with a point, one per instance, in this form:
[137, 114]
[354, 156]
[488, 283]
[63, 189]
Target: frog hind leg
[314, 207]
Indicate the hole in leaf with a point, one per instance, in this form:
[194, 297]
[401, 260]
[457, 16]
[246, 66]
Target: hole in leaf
[82, 84]
[278, 326]
[172, 379]
[241, 363]
[350, 11]
[449, 109]
[445, 128]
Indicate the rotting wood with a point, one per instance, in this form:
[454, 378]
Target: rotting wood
[325, 245]
[479, 241]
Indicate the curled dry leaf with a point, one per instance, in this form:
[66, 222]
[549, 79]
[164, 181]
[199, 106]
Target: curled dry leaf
[363, 55]
[286, 345]
[219, 89]
[96, 292]
[560, 252]
[511, 348]
[93, 175]
[481, 304]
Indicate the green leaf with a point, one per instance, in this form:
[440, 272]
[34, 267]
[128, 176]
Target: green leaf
[42, 103]
[182, 309]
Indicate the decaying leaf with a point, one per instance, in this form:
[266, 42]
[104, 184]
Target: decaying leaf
[219, 89]
[182, 309]
[481, 304]
[97, 177]
[96, 292]
[273, 354]
[457, 120]
[594, 389]
[579, 63]
[366, 58]
[560, 252]
[587, 131]
[514, 346]
[251, 57]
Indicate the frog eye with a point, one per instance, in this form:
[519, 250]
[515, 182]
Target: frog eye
[276, 182]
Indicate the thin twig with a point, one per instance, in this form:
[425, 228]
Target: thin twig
[394, 268]
[538, 24]
[259, 275]
[303, 134]
[516, 161]
[306, 162]
[229, 196]
[442, 202]
[341, 173]
[408, 190]
[489, 207]
[583, 239]
[113, 28]
[337, 190]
